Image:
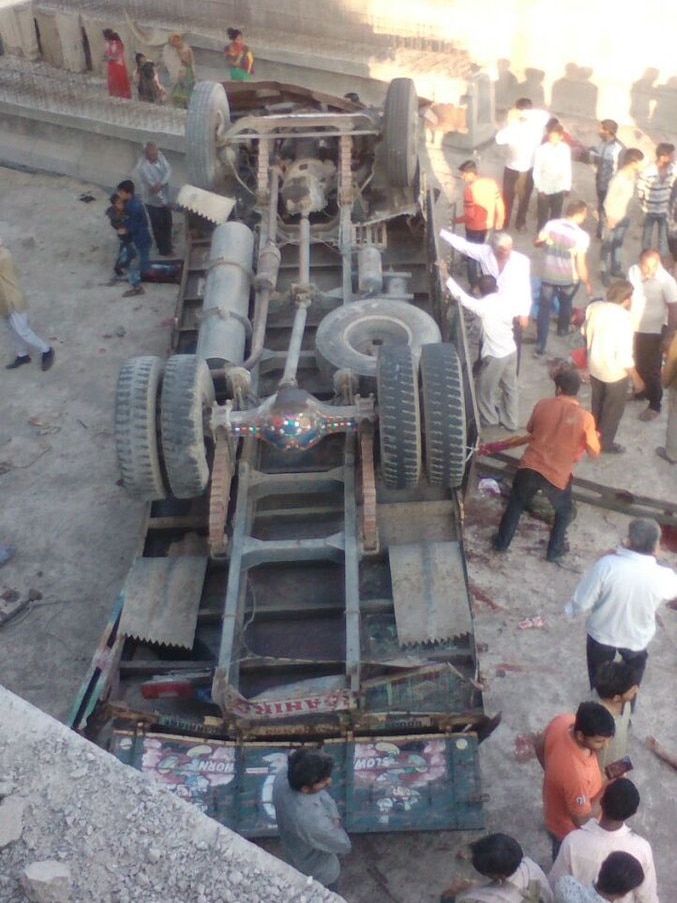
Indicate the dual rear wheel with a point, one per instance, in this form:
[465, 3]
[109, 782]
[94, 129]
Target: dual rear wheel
[410, 420]
[160, 427]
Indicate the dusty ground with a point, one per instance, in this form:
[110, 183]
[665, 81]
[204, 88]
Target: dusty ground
[76, 534]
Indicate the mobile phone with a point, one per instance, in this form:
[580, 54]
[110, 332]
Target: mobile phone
[618, 768]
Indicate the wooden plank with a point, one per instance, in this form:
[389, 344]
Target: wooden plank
[607, 497]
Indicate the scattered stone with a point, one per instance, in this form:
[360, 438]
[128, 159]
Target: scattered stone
[48, 881]
[11, 819]
[120, 331]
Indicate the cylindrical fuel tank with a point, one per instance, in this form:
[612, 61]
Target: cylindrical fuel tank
[369, 271]
[225, 308]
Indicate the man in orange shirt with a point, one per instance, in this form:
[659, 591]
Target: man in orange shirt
[561, 431]
[483, 209]
[573, 783]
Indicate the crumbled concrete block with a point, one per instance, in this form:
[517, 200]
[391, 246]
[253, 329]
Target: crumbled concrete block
[11, 819]
[48, 881]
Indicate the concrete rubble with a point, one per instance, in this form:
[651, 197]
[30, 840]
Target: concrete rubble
[46, 882]
[77, 826]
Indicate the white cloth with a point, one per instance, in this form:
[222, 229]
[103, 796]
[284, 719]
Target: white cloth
[583, 851]
[622, 592]
[517, 888]
[23, 335]
[552, 167]
[151, 174]
[496, 316]
[650, 298]
[619, 195]
[514, 280]
[570, 890]
[522, 136]
[609, 336]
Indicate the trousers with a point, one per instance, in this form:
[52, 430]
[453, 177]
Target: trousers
[548, 206]
[648, 361]
[597, 654]
[22, 334]
[610, 257]
[140, 266]
[477, 237]
[525, 486]
[671, 434]
[517, 185]
[565, 294]
[607, 406]
[497, 397]
[161, 224]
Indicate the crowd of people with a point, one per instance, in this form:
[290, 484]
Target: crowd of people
[630, 330]
[177, 63]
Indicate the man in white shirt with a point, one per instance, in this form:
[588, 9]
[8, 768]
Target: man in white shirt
[584, 850]
[617, 198]
[619, 874]
[552, 174]
[654, 316]
[522, 135]
[609, 334]
[622, 591]
[154, 174]
[497, 395]
[511, 270]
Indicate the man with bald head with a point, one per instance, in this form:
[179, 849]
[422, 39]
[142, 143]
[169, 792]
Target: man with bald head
[511, 270]
[654, 314]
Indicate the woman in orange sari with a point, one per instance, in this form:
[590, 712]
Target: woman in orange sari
[118, 77]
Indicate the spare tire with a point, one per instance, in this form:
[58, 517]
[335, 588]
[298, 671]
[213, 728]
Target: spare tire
[208, 117]
[443, 415]
[352, 336]
[400, 132]
[187, 392]
[136, 439]
[399, 417]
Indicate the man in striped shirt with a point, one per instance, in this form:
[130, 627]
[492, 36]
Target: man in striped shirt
[565, 266]
[654, 189]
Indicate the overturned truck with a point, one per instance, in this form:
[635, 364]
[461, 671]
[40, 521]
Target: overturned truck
[304, 454]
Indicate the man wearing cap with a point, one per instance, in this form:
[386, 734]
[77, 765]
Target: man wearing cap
[14, 310]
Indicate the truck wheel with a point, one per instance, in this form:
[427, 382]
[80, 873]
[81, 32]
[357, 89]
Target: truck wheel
[443, 415]
[187, 391]
[352, 336]
[208, 117]
[136, 440]
[400, 132]
[399, 417]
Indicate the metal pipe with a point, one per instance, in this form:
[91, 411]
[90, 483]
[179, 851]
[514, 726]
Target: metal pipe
[267, 270]
[302, 304]
[304, 251]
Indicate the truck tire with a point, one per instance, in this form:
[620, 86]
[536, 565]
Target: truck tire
[136, 437]
[400, 132]
[208, 116]
[399, 417]
[443, 415]
[187, 390]
[352, 336]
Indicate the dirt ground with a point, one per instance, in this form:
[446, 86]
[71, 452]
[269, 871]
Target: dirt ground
[76, 533]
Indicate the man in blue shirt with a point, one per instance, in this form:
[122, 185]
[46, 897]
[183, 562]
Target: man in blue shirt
[137, 227]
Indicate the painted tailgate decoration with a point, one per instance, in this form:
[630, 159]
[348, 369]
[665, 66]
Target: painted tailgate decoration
[398, 784]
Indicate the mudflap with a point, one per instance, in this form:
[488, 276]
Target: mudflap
[413, 783]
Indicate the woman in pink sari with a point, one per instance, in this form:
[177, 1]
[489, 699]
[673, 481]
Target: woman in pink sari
[118, 77]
